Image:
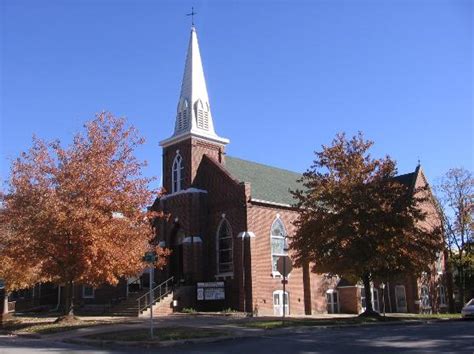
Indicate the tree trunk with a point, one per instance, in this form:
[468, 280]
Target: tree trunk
[69, 299]
[306, 288]
[369, 311]
[449, 284]
[5, 304]
[4, 316]
[462, 285]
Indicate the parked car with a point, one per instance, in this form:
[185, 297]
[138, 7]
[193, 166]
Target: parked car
[468, 310]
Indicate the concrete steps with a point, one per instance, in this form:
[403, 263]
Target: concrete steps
[161, 308]
[128, 307]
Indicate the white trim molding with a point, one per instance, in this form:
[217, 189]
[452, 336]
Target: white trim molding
[246, 234]
[183, 191]
[192, 239]
[270, 203]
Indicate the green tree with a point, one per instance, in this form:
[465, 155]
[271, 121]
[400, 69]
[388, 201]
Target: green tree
[356, 220]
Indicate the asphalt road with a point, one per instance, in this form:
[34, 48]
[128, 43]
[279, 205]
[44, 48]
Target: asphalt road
[437, 337]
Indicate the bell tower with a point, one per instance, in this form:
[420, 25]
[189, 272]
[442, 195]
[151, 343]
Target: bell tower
[194, 134]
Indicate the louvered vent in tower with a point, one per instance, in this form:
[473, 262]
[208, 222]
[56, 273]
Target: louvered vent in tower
[202, 115]
[182, 116]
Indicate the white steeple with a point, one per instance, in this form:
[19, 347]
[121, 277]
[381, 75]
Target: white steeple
[193, 116]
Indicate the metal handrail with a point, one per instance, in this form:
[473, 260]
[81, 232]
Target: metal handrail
[164, 289]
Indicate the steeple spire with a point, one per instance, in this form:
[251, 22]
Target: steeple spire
[193, 116]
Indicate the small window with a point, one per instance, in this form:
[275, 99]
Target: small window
[88, 292]
[224, 248]
[279, 245]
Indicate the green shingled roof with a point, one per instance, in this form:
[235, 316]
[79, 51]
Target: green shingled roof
[266, 182]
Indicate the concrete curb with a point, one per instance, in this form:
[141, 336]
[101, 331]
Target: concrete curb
[153, 344]
[239, 333]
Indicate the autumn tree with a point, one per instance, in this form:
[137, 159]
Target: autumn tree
[456, 196]
[15, 275]
[356, 220]
[79, 212]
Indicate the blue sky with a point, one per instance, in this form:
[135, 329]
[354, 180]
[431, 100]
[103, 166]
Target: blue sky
[283, 76]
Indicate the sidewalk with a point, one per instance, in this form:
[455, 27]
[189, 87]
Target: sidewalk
[229, 324]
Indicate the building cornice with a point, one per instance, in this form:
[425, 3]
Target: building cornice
[196, 135]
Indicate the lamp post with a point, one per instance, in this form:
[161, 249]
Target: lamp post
[382, 286]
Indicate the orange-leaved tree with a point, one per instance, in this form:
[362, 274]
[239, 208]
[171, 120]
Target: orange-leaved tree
[79, 213]
[15, 275]
[356, 220]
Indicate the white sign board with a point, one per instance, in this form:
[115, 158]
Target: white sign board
[211, 290]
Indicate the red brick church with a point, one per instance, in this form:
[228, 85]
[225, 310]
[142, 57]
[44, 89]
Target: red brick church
[229, 223]
[230, 219]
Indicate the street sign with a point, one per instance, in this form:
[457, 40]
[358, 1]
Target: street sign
[150, 257]
[284, 266]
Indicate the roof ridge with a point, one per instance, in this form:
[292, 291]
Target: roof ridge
[265, 165]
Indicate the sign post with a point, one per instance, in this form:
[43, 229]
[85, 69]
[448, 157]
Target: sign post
[285, 267]
[150, 258]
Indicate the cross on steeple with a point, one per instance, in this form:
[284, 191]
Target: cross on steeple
[192, 13]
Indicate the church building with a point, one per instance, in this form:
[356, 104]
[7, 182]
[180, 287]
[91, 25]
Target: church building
[230, 219]
[229, 224]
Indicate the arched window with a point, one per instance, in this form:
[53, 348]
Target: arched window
[177, 174]
[224, 248]
[279, 243]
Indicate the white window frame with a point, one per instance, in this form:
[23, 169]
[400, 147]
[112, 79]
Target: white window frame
[278, 308]
[398, 291]
[275, 272]
[228, 273]
[177, 173]
[84, 296]
[333, 306]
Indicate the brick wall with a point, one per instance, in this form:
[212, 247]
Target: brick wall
[349, 299]
[191, 150]
[260, 220]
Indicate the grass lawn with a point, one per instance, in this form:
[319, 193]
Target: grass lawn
[295, 322]
[45, 326]
[160, 334]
